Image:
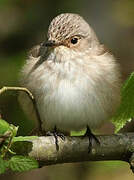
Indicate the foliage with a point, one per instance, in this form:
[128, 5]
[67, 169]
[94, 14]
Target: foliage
[15, 163]
[125, 112]
[22, 163]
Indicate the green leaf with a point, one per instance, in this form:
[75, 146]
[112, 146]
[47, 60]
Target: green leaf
[4, 126]
[126, 110]
[14, 129]
[2, 166]
[24, 138]
[22, 163]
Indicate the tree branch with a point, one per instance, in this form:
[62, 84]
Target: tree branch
[75, 149]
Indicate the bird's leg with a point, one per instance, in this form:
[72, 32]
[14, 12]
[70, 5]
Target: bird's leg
[91, 138]
[56, 135]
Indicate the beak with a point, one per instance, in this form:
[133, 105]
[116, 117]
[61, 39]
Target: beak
[50, 43]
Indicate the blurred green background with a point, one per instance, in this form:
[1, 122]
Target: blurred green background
[23, 24]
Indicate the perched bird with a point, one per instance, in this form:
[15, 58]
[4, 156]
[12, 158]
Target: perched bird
[74, 79]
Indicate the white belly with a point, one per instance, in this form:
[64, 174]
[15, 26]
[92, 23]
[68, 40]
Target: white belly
[70, 105]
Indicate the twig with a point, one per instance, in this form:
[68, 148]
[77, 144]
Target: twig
[6, 88]
[75, 149]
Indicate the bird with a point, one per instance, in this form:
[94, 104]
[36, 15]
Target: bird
[75, 80]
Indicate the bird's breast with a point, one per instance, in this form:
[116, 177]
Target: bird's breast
[66, 97]
[72, 95]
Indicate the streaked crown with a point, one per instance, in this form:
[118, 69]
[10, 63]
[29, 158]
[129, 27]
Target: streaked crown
[67, 25]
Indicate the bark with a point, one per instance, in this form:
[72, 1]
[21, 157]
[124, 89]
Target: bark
[75, 149]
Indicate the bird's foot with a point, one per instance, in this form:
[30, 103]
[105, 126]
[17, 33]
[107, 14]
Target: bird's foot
[91, 138]
[56, 135]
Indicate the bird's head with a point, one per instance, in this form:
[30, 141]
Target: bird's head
[71, 31]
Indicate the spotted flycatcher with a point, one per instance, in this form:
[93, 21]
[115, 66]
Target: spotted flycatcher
[74, 79]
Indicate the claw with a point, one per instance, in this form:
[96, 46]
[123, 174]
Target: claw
[91, 138]
[56, 135]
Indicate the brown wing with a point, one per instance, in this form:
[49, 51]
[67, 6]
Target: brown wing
[23, 98]
[37, 50]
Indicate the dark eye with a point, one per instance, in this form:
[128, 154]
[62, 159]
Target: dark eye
[74, 40]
